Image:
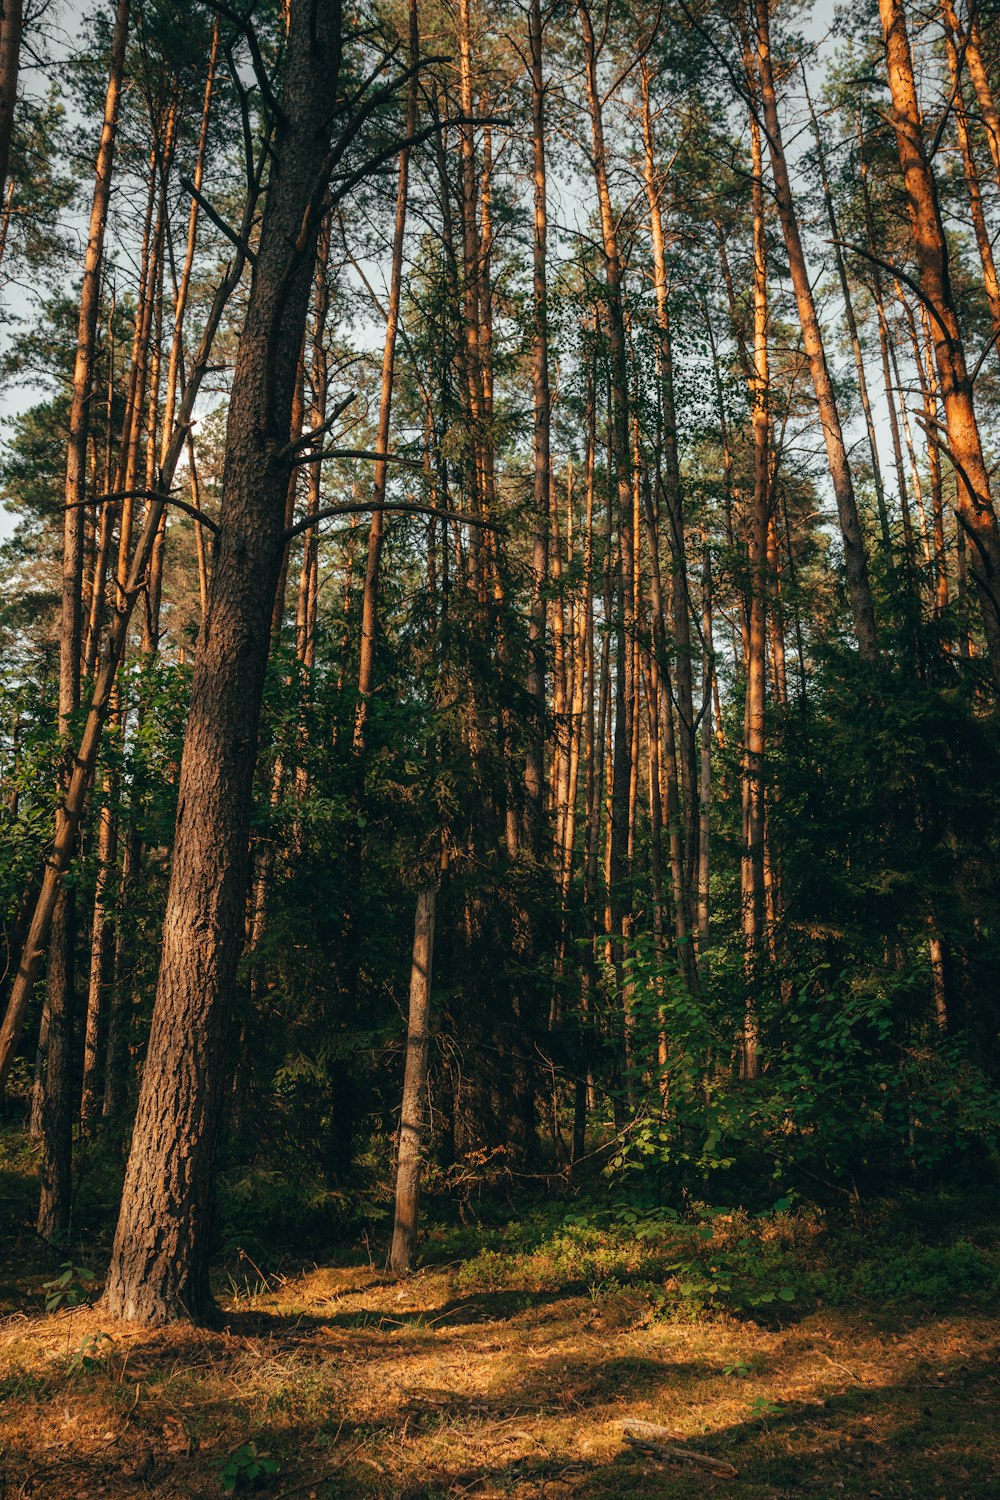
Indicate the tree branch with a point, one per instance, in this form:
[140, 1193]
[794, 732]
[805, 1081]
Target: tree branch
[407, 507]
[386, 458]
[307, 438]
[152, 495]
[887, 265]
[218, 220]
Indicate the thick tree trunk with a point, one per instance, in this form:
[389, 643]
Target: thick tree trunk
[412, 1119]
[159, 1263]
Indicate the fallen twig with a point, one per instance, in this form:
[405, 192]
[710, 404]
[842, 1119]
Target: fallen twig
[661, 1443]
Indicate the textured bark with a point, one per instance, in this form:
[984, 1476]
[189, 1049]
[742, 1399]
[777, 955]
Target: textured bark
[855, 556]
[159, 1263]
[11, 26]
[413, 1115]
[974, 502]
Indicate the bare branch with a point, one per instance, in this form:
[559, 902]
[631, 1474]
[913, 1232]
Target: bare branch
[407, 507]
[308, 438]
[366, 453]
[218, 220]
[157, 496]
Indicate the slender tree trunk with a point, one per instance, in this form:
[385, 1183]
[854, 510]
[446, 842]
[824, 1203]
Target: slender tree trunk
[541, 477]
[412, 1119]
[376, 529]
[977, 211]
[670, 480]
[855, 556]
[980, 79]
[752, 881]
[619, 874]
[975, 505]
[57, 1113]
[852, 328]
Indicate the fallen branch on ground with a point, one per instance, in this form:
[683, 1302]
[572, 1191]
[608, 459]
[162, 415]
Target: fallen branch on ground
[659, 1441]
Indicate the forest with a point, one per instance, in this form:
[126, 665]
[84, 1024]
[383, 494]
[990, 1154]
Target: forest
[499, 747]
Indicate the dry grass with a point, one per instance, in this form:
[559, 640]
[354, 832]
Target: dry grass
[361, 1387]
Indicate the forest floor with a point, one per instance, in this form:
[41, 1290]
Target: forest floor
[510, 1373]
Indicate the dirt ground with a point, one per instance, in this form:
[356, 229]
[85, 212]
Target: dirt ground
[350, 1385]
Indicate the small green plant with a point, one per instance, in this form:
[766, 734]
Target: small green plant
[69, 1288]
[92, 1355]
[763, 1406]
[736, 1368]
[244, 1468]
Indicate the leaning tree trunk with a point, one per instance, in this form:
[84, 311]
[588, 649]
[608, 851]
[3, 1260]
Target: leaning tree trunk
[855, 556]
[159, 1263]
[412, 1119]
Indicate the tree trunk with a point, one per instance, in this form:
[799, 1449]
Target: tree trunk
[69, 814]
[10, 61]
[159, 1263]
[852, 328]
[376, 529]
[542, 471]
[57, 1114]
[975, 506]
[669, 479]
[855, 556]
[752, 873]
[413, 1113]
[618, 871]
[977, 211]
[980, 79]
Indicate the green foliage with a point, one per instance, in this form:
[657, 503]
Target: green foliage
[69, 1288]
[246, 1469]
[92, 1355]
